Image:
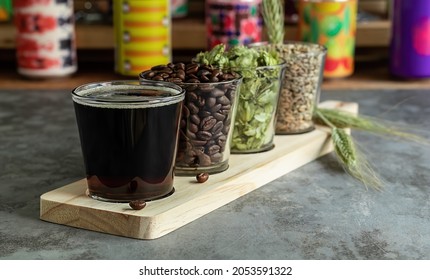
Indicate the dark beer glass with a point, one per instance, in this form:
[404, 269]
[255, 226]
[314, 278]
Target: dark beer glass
[129, 135]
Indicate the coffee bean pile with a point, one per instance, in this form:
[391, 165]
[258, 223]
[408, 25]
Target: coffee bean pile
[206, 114]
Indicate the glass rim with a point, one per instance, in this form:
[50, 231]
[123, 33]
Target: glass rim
[319, 49]
[238, 78]
[176, 94]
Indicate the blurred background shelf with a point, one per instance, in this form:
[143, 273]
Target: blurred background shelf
[190, 34]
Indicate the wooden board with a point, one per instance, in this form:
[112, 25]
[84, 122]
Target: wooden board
[69, 205]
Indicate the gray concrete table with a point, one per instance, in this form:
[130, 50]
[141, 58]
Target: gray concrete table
[315, 212]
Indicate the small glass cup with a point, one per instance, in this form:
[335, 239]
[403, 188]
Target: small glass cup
[206, 126]
[301, 86]
[128, 134]
[254, 126]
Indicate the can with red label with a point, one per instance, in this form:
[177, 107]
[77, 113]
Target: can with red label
[232, 23]
[45, 41]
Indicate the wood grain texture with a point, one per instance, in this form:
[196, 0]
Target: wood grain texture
[69, 205]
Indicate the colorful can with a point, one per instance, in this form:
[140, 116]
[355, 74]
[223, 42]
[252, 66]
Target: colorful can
[233, 22]
[179, 8]
[45, 41]
[142, 35]
[5, 10]
[410, 40]
[331, 23]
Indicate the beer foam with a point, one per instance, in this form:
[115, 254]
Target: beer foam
[126, 96]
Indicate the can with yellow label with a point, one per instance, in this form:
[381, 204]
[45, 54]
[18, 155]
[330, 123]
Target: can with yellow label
[142, 35]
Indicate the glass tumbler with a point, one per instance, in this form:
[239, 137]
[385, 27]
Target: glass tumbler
[301, 86]
[128, 135]
[206, 125]
[254, 126]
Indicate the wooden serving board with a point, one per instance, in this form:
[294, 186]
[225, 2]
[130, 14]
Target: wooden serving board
[69, 205]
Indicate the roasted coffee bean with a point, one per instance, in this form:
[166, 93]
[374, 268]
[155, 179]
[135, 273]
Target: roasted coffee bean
[202, 177]
[180, 74]
[195, 119]
[192, 76]
[190, 135]
[193, 127]
[203, 72]
[166, 70]
[180, 66]
[226, 128]
[150, 74]
[217, 93]
[171, 65]
[204, 135]
[215, 73]
[217, 128]
[191, 68]
[222, 141]
[227, 77]
[164, 75]
[211, 101]
[224, 112]
[215, 108]
[207, 87]
[190, 87]
[204, 79]
[158, 67]
[210, 142]
[197, 142]
[158, 78]
[218, 116]
[213, 149]
[193, 108]
[204, 114]
[192, 81]
[174, 80]
[137, 204]
[191, 96]
[223, 100]
[207, 123]
[226, 107]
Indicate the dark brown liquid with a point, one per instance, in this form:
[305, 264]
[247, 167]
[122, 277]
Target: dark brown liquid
[129, 153]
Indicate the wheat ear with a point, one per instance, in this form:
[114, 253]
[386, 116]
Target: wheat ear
[274, 19]
[352, 160]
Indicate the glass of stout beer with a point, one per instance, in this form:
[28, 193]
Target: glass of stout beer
[129, 134]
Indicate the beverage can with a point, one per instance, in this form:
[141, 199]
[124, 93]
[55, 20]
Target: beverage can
[331, 23]
[233, 23]
[45, 41]
[179, 8]
[142, 35]
[410, 39]
[5, 10]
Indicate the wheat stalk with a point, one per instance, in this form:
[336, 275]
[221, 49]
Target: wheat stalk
[352, 160]
[342, 119]
[274, 19]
